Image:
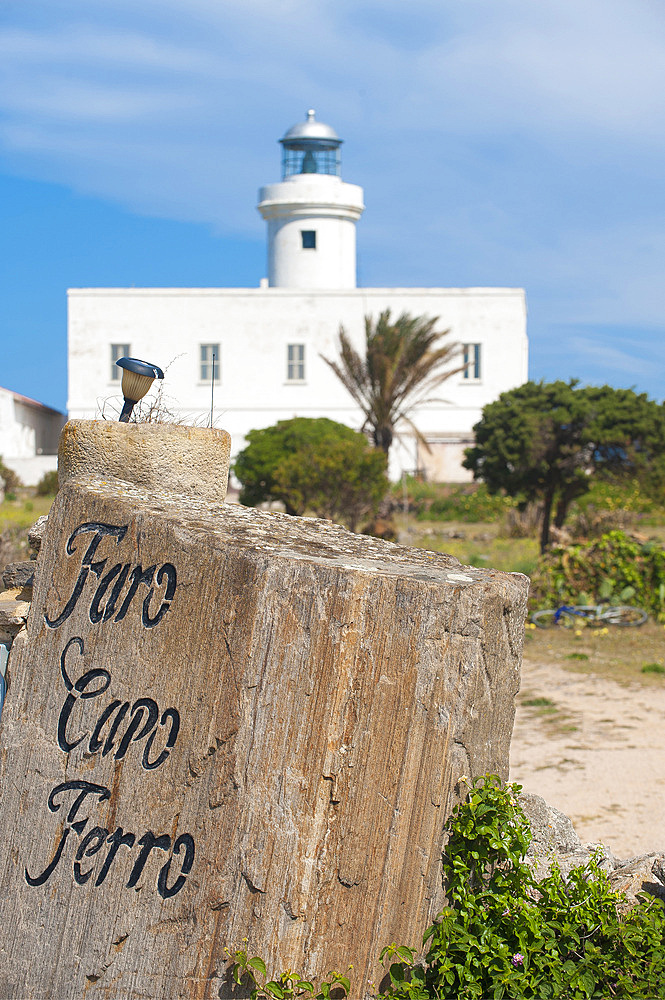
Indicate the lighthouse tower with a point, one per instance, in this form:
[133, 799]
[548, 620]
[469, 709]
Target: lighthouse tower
[311, 213]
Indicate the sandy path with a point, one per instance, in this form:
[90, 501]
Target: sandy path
[598, 754]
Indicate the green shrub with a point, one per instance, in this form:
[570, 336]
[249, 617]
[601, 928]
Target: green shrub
[9, 480]
[625, 496]
[313, 465]
[467, 502]
[614, 568]
[653, 668]
[48, 484]
[504, 935]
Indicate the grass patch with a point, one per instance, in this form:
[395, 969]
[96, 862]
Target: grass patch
[23, 512]
[549, 713]
[616, 653]
[653, 668]
[16, 517]
[473, 544]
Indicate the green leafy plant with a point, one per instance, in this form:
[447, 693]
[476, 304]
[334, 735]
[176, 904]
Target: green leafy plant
[287, 984]
[614, 568]
[313, 465]
[653, 668]
[468, 502]
[48, 484]
[629, 495]
[504, 935]
[9, 480]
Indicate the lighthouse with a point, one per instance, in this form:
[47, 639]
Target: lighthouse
[270, 340]
[311, 213]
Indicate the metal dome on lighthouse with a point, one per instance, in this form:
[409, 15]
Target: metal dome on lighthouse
[311, 213]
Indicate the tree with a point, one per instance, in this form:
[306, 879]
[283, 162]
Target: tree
[544, 441]
[403, 363]
[313, 465]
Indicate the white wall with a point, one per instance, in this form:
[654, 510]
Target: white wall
[254, 327]
[322, 203]
[31, 470]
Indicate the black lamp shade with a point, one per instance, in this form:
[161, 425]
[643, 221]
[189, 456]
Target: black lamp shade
[137, 377]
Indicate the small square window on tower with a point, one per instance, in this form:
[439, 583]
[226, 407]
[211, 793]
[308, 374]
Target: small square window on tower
[308, 239]
[209, 357]
[295, 363]
[118, 351]
[471, 358]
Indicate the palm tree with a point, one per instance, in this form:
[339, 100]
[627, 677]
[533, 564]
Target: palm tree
[402, 365]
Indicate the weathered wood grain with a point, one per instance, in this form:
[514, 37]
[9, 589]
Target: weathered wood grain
[330, 689]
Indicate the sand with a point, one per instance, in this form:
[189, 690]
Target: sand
[597, 754]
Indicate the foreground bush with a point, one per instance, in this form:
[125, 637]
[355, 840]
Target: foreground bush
[504, 935]
[615, 568]
[313, 465]
[48, 484]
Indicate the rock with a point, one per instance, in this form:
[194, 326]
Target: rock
[191, 461]
[554, 839]
[13, 611]
[551, 829]
[639, 876]
[658, 868]
[19, 574]
[231, 728]
[36, 533]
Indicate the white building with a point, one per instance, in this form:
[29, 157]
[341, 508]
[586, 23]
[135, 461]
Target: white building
[267, 341]
[29, 433]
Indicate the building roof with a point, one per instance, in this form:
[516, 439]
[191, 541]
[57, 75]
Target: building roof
[27, 401]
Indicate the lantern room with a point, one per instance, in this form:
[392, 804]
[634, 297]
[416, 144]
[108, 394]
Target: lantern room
[310, 147]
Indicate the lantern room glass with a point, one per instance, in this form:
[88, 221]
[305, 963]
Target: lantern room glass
[311, 157]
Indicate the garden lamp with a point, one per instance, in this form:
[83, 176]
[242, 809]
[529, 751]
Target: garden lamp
[137, 377]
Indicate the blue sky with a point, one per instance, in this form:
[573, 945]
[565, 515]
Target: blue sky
[499, 142]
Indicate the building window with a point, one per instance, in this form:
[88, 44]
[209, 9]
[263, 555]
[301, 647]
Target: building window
[118, 351]
[209, 357]
[471, 361]
[295, 363]
[308, 239]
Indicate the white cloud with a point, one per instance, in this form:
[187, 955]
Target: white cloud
[598, 64]
[632, 362]
[83, 45]
[59, 100]
[483, 130]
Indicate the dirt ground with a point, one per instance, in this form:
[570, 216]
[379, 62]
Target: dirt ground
[594, 747]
